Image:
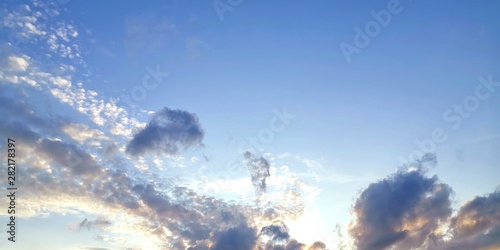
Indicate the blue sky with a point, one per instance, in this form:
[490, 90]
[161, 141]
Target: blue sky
[252, 124]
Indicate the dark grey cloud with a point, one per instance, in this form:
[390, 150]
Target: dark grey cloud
[259, 171]
[169, 132]
[278, 231]
[402, 210]
[98, 223]
[278, 238]
[241, 237]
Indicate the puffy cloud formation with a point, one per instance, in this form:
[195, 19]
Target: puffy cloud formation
[259, 171]
[169, 132]
[18, 63]
[409, 210]
[276, 232]
[477, 216]
[400, 211]
[236, 238]
[476, 225]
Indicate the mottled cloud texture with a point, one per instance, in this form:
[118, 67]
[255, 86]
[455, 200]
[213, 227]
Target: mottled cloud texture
[169, 132]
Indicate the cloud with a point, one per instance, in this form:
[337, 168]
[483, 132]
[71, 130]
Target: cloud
[477, 216]
[31, 25]
[318, 245]
[25, 22]
[18, 108]
[278, 238]
[409, 210]
[294, 245]
[39, 24]
[69, 156]
[18, 63]
[102, 111]
[164, 211]
[402, 210]
[476, 225]
[169, 132]
[14, 68]
[259, 171]
[276, 232]
[82, 133]
[110, 150]
[242, 237]
[91, 224]
[16, 129]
